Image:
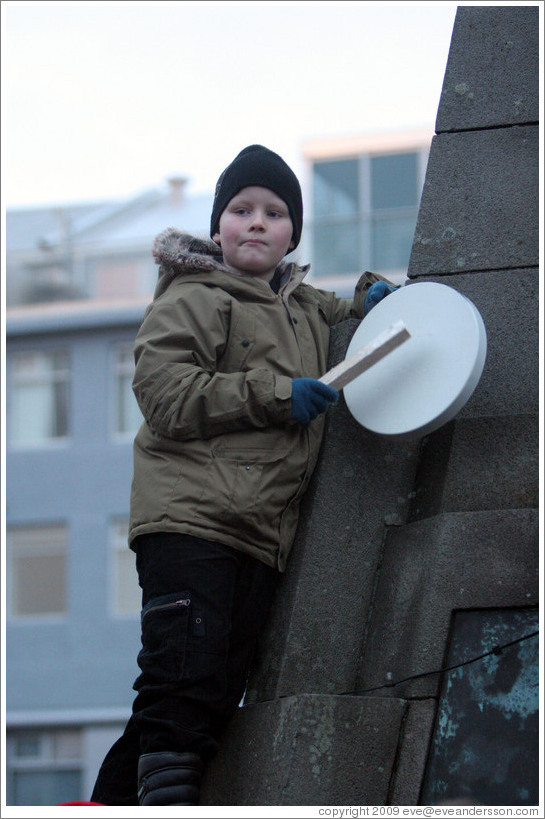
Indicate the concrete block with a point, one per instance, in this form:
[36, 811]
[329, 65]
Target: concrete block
[363, 482]
[480, 203]
[479, 463]
[492, 74]
[456, 560]
[509, 305]
[307, 750]
[413, 752]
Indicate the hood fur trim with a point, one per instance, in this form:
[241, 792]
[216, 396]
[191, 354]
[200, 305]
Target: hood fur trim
[183, 253]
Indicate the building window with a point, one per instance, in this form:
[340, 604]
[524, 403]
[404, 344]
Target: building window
[129, 275]
[336, 188]
[44, 767]
[126, 595]
[37, 558]
[127, 412]
[394, 181]
[364, 213]
[394, 203]
[38, 397]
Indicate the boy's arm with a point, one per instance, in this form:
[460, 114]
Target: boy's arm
[178, 389]
[338, 309]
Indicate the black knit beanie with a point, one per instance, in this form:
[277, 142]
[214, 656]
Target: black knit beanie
[256, 165]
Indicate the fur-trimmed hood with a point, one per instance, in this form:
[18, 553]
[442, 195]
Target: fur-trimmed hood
[179, 254]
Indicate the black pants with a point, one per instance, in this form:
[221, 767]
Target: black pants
[204, 605]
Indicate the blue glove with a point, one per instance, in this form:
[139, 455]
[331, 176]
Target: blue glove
[310, 397]
[377, 292]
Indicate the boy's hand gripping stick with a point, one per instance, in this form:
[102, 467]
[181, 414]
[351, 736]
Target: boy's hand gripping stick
[341, 375]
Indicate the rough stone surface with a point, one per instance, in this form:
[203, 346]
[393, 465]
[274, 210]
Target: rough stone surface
[456, 560]
[308, 750]
[363, 482]
[413, 753]
[508, 302]
[492, 76]
[394, 538]
[479, 463]
[480, 204]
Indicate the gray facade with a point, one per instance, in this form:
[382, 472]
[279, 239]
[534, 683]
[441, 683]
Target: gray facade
[69, 673]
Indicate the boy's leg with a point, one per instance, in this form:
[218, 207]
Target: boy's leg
[194, 659]
[116, 783]
[189, 588]
[256, 588]
[182, 650]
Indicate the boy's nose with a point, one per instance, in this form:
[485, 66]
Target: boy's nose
[257, 222]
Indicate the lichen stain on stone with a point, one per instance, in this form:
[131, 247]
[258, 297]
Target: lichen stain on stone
[463, 91]
[322, 739]
[285, 720]
[447, 726]
[461, 88]
[448, 235]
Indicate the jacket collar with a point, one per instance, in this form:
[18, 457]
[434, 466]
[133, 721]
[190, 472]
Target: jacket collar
[179, 254]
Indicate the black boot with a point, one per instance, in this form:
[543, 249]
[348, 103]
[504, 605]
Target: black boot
[169, 778]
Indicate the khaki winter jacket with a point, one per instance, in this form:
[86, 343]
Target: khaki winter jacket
[218, 455]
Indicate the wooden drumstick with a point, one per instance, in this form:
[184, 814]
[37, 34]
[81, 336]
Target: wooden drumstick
[341, 375]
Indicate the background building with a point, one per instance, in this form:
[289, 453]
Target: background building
[362, 205]
[78, 279]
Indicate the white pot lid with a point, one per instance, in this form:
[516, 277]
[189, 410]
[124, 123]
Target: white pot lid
[426, 381]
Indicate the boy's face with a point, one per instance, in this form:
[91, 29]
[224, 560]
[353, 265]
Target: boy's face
[255, 231]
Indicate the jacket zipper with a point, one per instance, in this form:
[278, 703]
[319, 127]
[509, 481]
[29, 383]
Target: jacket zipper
[175, 604]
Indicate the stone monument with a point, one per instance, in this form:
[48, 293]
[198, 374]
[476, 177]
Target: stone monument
[415, 556]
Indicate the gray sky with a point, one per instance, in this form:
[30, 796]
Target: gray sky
[103, 99]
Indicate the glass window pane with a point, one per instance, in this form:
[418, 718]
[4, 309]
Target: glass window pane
[28, 745]
[391, 243]
[128, 592]
[59, 426]
[394, 181]
[127, 412]
[129, 416]
[335, 248]
[336, 188]
[46, 787]
[67, 744]
[117, 278]
[40, 585]
[38, 397]
[31, 413]
[38, 564]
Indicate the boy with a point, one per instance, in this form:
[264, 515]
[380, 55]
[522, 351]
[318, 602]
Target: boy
[227, 362]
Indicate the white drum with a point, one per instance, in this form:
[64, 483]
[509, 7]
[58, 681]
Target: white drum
[426, 381]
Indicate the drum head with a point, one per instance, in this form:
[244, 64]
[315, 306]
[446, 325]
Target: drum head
[427, 380]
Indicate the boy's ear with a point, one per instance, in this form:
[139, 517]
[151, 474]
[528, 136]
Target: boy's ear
[216, 239]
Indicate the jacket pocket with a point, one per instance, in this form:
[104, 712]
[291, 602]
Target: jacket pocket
[244, 488]
[165, 625]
